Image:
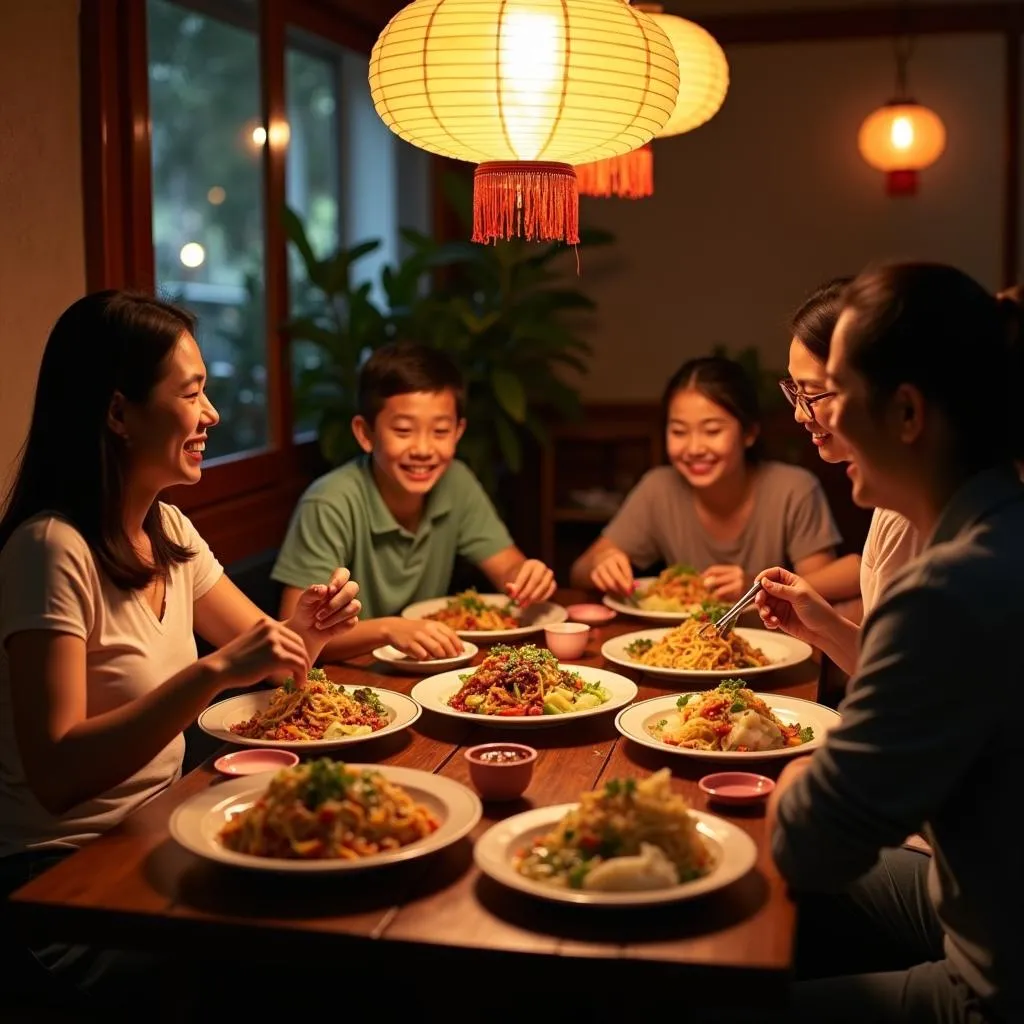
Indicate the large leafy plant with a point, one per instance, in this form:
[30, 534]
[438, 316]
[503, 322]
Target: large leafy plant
[338, 324]
[502, 313]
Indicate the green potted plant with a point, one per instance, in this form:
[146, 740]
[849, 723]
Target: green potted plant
[502, 312]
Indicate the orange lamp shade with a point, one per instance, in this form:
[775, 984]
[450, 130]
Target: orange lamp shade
[703, 83]
[526, 89]
[901, 139]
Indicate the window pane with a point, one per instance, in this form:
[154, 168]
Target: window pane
[313, 191]
[204, 95]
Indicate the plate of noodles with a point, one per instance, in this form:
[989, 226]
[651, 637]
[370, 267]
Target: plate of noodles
[318, 716]
[483, 617]
[524, 687]
[729, 722]
[679, 652]
[676, 594]
[325, 816]
[629, 843]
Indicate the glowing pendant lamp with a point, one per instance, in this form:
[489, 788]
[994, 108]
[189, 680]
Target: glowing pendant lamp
[525, 89]
[703, 83]
[902, 137]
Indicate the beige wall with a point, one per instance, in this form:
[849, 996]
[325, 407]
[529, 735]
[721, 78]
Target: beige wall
[755, 208]
[42, 261]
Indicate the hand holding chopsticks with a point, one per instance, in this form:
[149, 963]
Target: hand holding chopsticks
[724, 625]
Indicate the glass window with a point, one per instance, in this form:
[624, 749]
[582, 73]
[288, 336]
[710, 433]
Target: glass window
[313, 186]
[208, 205]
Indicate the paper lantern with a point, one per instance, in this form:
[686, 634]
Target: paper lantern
[703, 83]
[901, 139]
[526, 89]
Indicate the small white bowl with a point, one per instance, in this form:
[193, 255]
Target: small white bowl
[567, 640]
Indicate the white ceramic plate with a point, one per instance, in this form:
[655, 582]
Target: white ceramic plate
[782, 651]
[197, 822]
[435, 692]
[633, 723]
[734, 853]
[403, 663]
[533, 619]
[218, 719]
[628, 608]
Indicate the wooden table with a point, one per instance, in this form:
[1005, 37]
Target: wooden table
[438, 917]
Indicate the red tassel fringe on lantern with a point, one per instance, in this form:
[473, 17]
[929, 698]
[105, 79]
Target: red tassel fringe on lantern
[535, 201]
[630, 176]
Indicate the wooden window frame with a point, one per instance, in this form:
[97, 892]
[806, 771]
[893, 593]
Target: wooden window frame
[243, 502]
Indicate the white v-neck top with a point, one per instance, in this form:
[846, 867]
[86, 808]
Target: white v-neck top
[49, 580]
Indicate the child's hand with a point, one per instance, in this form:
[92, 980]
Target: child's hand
[725, 582]
[422, 639]
[613, 574]
[534, 582]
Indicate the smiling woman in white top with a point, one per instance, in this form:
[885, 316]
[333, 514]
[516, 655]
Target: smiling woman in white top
[891, 541]
[101, 586]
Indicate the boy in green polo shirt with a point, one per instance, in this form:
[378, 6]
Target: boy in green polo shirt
[398, 515]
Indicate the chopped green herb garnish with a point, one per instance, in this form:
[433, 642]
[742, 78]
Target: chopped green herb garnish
[639, 647]
[683, 700]
[806, 734]
[370, 699]
[577, 875]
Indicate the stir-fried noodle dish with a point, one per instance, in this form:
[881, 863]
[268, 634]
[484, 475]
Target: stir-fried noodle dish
[679, 588]
[684, 648]
[627, 835]
[466, 612]
[525, 680]
[319, 710]
[728, 718]
[323, 810]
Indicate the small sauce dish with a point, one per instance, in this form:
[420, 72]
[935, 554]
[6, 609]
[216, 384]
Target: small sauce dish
[592, 614]
[736, 787]
[567, 640]
[500, 771]
[252, 762]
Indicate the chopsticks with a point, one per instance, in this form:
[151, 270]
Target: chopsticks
[724, 625]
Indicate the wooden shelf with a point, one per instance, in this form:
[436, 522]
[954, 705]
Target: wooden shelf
[610, 448]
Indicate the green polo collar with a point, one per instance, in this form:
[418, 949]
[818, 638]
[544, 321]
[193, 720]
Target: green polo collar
[382, 521]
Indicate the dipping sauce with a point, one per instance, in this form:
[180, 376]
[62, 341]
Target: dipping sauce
[502, 756]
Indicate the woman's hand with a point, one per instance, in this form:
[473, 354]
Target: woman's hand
[614, 574]
[534, 582]
[263, 649]
[422, 639]
[725, 582]
[325, 611]
[790, 603]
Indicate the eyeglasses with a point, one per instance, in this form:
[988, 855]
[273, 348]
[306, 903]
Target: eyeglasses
[805, 403]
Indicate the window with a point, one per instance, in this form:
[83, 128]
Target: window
[208, 233]
[183, 193]
[312, 187]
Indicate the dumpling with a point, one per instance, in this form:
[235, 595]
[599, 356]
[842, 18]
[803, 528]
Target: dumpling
[650, 869]
[753, 732]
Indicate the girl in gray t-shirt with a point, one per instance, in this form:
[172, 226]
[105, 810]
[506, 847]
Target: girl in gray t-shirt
[717, 506]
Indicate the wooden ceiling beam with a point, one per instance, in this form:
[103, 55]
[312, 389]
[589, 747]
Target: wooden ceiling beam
[881, 20]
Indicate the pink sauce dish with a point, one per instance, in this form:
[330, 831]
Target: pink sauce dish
[500, 771]
[252, 762]
[592, 614]
[736, 787]
[567, 640]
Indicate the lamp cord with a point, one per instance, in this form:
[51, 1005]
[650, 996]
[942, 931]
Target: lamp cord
[903, 47]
